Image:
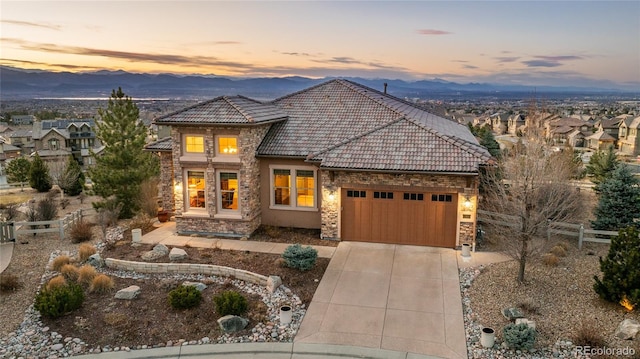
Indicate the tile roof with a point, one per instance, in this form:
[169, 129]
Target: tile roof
[232, 110]
[325, 119]
[601, 136]
[161, 145]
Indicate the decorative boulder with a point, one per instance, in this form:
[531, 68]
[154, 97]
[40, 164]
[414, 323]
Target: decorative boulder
[199, 286]
[627, 329]
[273, 282]
[530, 323]
[177, 254]
[159, 251]
[232, 323]
[512, 313]
[128, 293]
[95, 260]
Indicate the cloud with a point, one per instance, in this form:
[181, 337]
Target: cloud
[227, 43]
[432, 32]
[32, 24]
[550, 61]
[470, 67]
[16, 62]
[459, 61]
[503, 59]
[541, 63]
[560, 58]
[304, 54]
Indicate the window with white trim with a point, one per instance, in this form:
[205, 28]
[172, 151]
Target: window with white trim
[293, 187]
[193, 144]
[228, 191]
[196, 190]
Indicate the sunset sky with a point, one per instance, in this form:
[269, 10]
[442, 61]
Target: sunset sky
[581, 43]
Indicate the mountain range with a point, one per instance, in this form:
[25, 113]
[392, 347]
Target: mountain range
[16, 83]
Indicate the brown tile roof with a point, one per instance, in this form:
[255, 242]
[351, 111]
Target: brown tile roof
[232, 110]
[347, 125]
[161, 145]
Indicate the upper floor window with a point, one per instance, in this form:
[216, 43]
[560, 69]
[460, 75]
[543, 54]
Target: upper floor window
[194, 144]
[228, 146]
[54, 144]
[293, 187]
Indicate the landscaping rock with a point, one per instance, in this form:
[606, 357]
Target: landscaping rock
[273, 282]
[96, 261]
[199, 286]
[128, 293]
[159, 251]
[627, 329]
[232, 323]
[177, 254]
[530, 323]
[512, 313]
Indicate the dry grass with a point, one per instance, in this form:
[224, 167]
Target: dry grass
[144, 222]
[70, 272]
[9, 282]
[60, 261]
[81, 231]
[14, 198]
[86, 273]
[85, 251]
[550, 259]
[56, 282]
[588, 334]
[101, 283]
[559, 251]
[115, 319]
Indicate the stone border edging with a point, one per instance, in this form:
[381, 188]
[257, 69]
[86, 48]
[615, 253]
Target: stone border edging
[187, 268]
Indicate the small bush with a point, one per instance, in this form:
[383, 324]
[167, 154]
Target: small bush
[9, 282]
[300, 258]
[86, 273]
[529, 306]
[142, 221]
[230, 303]
[81, 197]
[589, 334]
[81, 231]
[70, 272]
[11, 212]
[85, 251]
[115, 319]
[59, 261]
[47, 209]
[101, 283]
[56, 282]
[184, 297]
[58, 301]
[564, 245]
[550, 259]
[519, 336]
[559, 251]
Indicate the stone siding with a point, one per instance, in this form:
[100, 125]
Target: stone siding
[166, 181]
[248, 168]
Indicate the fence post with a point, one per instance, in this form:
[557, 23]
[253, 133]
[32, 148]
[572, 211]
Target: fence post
[580, 236]
[61, 228]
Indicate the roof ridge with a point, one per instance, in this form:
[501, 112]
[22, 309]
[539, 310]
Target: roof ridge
[187, 108]
[363, 134]
[303, 90]
[238, 108]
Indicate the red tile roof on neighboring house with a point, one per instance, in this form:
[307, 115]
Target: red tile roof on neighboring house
[233, 110]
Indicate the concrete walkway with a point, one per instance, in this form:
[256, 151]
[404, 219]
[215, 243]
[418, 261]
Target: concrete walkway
[6, 252]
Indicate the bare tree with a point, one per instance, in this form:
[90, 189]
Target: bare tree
[530, 183]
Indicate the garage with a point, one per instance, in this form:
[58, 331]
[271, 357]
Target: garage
[399, 217]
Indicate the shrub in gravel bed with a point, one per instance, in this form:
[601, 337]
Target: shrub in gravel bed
[550, 259]
[59, 261]
[589, 335]
[85, 251]
[70, 272]
[298, 257]
[559, 251]
[81, 231]
[58, 301]
[620, 269]
[230, 303]
[101, 283]
[86, 273]
[9, 282]
[56, 282]
[519, 336]
[185, 297]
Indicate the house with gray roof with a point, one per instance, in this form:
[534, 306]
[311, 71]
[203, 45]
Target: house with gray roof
[629, 138]
[57, 139]
[353, 162]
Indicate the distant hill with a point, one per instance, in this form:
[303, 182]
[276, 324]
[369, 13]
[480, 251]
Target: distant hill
[27, 84]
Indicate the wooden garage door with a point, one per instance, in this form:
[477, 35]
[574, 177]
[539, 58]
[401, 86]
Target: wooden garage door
[417, 218]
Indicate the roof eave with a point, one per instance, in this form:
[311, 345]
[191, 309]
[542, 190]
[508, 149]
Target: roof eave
[232, 124]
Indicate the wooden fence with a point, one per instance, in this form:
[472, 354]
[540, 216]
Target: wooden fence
[567, 229]
[10, 230]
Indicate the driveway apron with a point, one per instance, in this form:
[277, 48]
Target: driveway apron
[395, 297]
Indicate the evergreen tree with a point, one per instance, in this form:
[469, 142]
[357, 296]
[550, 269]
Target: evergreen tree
[73, 178]
[620, 269]
[39, 175]
[619, 201]
[18, 171]
[601, 164]
[123, 165]
[489, 141]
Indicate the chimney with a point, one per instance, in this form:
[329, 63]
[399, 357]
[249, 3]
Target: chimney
[385, 88]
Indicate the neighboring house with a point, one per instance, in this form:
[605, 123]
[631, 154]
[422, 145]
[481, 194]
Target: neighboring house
[559, 129]
[628, 137]
[515, 123]
[7, 151]
[63, 137]
[19, 120]
[482, 121]
[5, 130]
[22, 139]
[351, 161]
[576, 139]
[611, 125]
[499, 123]
[600, 141]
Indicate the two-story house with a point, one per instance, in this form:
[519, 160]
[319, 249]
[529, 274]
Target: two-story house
[59, 138]
[628, 137]
[354, 162]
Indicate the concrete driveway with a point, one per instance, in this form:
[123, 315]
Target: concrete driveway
[394, 297]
